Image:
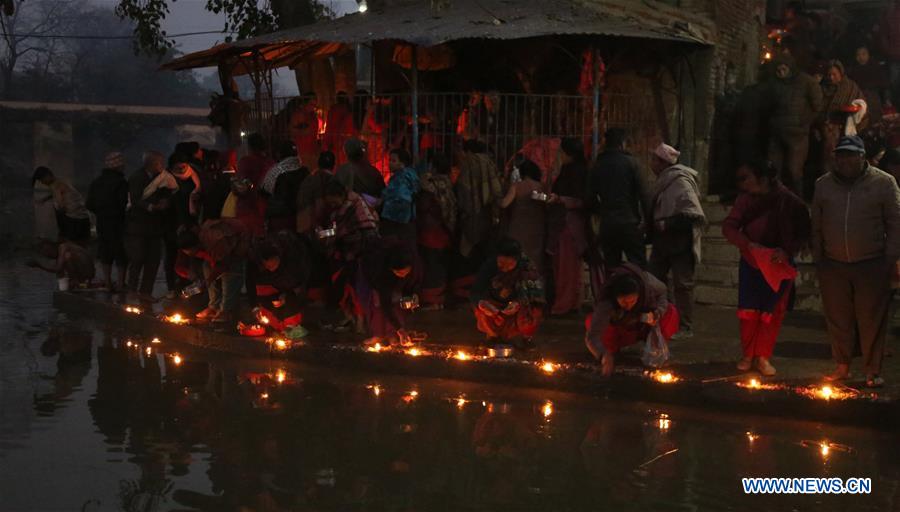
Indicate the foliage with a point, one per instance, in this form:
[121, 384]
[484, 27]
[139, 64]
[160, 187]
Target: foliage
[244, 18]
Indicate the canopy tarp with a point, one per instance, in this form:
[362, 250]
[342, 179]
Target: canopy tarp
[427, 26]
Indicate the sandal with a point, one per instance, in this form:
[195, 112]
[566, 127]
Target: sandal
[874, 381]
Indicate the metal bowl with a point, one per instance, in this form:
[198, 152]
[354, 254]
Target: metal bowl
[501, 351]
[326, 233]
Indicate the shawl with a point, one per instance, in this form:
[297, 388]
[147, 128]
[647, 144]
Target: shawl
[441, 188]
[163, 180]
[291, 163]
[676, 194]
[478, 178]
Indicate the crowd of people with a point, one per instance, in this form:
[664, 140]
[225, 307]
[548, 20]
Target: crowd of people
[828, 76]
[509, 243]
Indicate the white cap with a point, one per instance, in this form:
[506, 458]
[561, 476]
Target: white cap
[667, 153]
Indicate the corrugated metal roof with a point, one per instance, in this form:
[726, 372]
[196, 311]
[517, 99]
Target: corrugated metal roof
[424, 25]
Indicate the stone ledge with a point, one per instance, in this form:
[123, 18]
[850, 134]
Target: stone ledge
[629, 383]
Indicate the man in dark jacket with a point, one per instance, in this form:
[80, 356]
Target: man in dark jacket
[283, 263]
[108, 200]
[618, 195]
[794, 100]
[358, 175]
[144, 227]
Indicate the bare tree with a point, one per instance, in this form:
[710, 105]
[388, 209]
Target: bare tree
[24, 36]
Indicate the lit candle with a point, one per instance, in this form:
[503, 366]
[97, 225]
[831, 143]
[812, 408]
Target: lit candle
[547, 409]
[128, 344]
[375, 348]
[663, 377]
[460, 402]
[155, 340]
[148, 351]
[264, 396]
[177, 359]
[280, 376]
[826, 392]
[824, 448]
[376, 390]
[462, 356]
[414, 352]
[548, 367]
[754, 384]
[751, 437]
[281, 344]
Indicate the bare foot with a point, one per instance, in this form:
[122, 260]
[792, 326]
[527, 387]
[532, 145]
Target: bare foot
[745, 364]
[765, 367]
[206, 313]
[607, 364]
[842, 372]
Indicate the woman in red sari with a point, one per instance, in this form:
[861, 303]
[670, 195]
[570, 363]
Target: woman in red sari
[565, 234]
[770, 225]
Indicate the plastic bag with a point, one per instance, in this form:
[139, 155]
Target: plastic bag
[656, 350]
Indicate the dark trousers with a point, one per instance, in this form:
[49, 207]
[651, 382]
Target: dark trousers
[170, 256]
[144, 253]
[788, 151]
[627, 239]
[856, 299]
[681, 264]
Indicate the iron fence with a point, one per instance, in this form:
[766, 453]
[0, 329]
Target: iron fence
[507, 123]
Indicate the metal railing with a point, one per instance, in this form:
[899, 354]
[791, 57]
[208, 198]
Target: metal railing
[505, 122]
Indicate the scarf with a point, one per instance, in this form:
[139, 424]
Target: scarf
[522, 284]
[441, 188]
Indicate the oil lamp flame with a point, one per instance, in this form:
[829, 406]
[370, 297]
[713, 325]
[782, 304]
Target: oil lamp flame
[547, 409]
[462, 356]
[148, 351]
[826, 392]
[754, 384]
[824, 448]
[155, 341]
[281, 344]
[264, 396]
[375, 348]
[133, 310]
[664, 377]
[177, 359]
[280, 376]
[752, 437]
[414, 352]
[176, 319]
[460, 402]
[548, 367]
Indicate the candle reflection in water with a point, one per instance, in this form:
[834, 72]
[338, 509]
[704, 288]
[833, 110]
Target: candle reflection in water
[663, 422]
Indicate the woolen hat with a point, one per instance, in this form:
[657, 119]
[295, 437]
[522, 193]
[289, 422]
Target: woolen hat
[667, 153]
[114, 160]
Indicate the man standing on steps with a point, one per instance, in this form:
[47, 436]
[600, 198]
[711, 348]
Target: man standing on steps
[856, 243]
[676, 230]
[618, 195]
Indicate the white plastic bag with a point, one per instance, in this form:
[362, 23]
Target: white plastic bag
[656, 350]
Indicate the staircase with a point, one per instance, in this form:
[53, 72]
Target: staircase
[716, 278]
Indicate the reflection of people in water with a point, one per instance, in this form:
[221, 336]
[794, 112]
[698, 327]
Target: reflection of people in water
[507, 448]
[73, 351]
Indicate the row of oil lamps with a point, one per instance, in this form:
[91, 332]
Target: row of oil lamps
[825, 392]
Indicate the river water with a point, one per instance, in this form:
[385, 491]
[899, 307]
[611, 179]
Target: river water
[88, 422]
